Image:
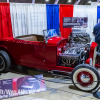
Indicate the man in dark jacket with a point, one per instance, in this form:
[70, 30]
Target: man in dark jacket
[96, 32]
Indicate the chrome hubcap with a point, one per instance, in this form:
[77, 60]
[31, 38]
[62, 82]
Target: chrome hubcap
[85, 78]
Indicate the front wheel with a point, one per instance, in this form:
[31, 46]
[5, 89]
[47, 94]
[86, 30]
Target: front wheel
[85, 77]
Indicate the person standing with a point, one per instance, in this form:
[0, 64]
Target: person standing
[96, 33]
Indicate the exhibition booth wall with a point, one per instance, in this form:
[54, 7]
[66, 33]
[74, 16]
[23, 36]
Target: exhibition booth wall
[78, 11]
[22, 19]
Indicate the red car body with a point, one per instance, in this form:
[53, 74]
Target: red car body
[45, 53]
[36, 54]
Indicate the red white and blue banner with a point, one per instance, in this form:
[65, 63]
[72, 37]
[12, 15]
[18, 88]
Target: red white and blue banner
[18, 19]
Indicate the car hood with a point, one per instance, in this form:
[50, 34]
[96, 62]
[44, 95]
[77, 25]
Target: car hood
[55, 40]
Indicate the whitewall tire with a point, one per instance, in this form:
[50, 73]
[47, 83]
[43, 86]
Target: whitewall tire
[85, 77]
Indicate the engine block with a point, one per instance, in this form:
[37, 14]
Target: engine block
[79, 38]
[74, 54]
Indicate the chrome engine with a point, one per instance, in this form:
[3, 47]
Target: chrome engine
[74, 54]
[79, 36]
[77, 50]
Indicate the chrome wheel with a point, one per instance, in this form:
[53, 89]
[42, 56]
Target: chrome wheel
[85, 78]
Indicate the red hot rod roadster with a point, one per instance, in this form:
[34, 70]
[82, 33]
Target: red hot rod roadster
[55, 54]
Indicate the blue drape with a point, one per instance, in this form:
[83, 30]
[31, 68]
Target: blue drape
[52, 16]
[98, 13]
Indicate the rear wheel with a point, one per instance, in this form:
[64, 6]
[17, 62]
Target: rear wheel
[85, 77]
[5, 61]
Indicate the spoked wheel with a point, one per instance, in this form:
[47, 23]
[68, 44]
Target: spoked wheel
[85, 77]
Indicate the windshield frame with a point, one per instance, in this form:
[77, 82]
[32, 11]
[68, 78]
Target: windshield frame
[47, 37]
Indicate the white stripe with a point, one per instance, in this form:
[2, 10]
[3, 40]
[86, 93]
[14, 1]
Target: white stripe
[28, 18]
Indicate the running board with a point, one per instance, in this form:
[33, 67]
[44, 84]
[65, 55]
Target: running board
[61, 73]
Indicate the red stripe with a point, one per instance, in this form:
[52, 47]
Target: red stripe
[14, 85]
[65, 11]
[5, 21]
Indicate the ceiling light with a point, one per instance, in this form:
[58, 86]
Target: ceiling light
[46, 0]
[69, 0]
[89, 1]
